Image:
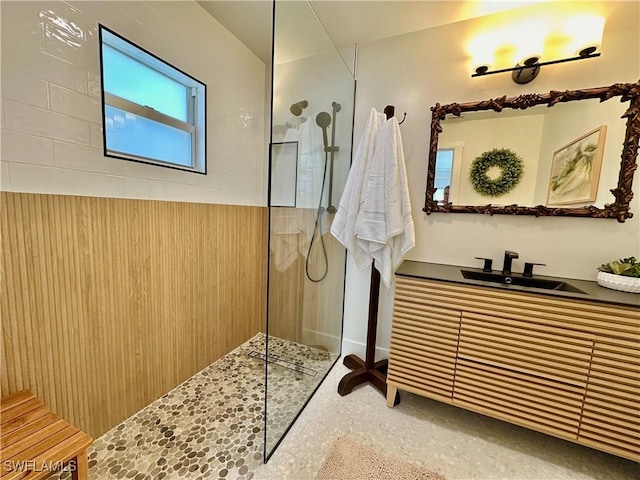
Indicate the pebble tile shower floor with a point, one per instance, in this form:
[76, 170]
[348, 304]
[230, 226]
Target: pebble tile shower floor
[210, 426]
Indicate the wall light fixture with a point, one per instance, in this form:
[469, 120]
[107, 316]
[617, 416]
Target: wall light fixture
[533, 45]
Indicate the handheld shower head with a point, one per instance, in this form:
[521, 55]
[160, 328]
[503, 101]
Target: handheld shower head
[323, 120]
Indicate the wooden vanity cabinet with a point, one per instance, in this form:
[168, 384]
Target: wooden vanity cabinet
[565, 367]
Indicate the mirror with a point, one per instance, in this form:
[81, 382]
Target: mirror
[553, 154]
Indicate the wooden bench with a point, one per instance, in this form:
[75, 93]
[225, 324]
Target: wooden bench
[34, 442]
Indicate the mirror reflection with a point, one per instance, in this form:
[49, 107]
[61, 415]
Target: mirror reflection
[570, 153]
[567, 151]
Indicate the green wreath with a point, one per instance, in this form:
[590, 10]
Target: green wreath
[510, 164]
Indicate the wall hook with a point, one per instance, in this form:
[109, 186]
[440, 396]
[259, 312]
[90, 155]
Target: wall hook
[403, 118]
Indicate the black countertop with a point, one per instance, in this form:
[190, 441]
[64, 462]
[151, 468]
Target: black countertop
[451, 273]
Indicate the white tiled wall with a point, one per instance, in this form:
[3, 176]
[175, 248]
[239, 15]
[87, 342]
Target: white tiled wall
[50, 89]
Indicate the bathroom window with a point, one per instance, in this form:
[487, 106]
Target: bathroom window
[152, 112]
[442, 181]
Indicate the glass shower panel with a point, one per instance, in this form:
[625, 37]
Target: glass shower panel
[312, 119]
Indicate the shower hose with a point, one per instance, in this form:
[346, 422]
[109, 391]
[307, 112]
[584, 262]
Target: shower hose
[318, 227]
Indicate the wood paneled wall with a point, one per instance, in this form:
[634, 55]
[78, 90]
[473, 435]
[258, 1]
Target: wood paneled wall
[108, 303]
[301, 310]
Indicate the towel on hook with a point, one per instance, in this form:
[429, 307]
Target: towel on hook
[384, 226]
[344, 222]
[373, 220]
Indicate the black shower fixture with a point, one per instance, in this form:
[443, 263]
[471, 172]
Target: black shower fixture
[323, 120]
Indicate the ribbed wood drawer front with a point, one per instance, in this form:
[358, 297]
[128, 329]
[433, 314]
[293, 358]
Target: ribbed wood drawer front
[581, 315]
[519, 398]
[423, 350]
[526, 347]
[611, 417]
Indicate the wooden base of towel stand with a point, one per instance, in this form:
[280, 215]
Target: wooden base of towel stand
[368, 370]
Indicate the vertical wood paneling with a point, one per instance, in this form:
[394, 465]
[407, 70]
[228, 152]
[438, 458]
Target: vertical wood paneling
[323, 301]
[301, 310]
[109, 303]
[289, 228]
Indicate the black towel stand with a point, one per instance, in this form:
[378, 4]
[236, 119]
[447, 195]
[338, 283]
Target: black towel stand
[368, 370]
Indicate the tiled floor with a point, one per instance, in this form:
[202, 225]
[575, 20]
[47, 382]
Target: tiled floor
[451, 441]
[211, 426]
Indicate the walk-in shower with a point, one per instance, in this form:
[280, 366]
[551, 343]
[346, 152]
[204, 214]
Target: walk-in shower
[310, 155]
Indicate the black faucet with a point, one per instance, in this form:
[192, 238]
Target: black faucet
[508, 258]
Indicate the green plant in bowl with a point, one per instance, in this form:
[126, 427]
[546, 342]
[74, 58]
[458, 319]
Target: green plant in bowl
[628, 267]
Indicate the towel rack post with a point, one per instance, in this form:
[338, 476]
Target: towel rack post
[369, 370]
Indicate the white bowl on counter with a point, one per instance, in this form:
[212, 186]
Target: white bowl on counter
[619, 282]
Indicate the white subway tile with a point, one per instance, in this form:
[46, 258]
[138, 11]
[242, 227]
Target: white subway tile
[22, 25]
[236, 193]
[75, 51]
[94, 84]
[5, 176]
[80, 157]
[42, 65]
[70, 34]
[163, 174]
[71, 156]
[20, 148]
[182, 193]
[24, 88]
[41, 179]
[134, 188]
[95, 132]
[75, 104]
[35, 121]
[128, 19]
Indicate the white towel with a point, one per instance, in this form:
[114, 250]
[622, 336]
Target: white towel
[373, 220]
[384, 226]
[344, 222]
[311, 160]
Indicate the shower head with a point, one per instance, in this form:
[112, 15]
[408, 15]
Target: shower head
[323, 119]
[296, 108]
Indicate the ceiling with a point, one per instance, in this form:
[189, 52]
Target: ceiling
[349, 22]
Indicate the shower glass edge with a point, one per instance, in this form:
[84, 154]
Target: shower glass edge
[312, 107]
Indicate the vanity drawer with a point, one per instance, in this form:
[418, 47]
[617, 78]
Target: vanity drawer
[531, 348]
[531, 401]
[579, 316]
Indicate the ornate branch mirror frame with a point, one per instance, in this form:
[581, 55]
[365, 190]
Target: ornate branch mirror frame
[619, 209]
